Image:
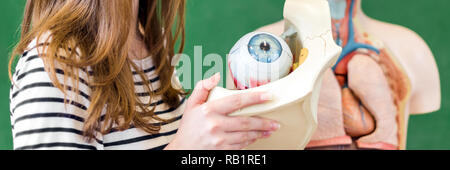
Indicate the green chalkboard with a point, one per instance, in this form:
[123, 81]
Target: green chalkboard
[10, 18]
[216, 25]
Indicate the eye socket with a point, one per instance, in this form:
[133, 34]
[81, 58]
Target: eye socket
[265, 48]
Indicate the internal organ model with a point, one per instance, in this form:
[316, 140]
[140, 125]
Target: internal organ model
[374, 106]
[385, 74]
[259, 58]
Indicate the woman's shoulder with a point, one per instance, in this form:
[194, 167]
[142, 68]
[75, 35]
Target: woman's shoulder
[29, 62]
[32, 61]
[42, 116]
[32, 85]
[32, 75]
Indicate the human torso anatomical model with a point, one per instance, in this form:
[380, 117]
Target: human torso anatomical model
[384, 74]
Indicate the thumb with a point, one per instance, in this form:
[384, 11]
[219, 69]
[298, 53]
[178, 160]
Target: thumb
[201, 91]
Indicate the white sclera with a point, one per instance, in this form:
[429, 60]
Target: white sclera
[244, 67]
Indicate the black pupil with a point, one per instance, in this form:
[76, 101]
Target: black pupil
[264, 46]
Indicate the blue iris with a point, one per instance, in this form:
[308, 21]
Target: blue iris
[265, 48]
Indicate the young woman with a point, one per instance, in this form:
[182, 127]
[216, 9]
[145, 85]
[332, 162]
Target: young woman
[95, 74]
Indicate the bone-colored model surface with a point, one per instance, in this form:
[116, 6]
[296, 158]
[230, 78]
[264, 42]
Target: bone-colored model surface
[385, 74]
[296, 96]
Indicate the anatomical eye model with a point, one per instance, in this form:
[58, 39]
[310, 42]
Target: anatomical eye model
[259, 58]
[262, 61]
[265, 48]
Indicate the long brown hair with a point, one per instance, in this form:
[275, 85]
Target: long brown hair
[94, 34]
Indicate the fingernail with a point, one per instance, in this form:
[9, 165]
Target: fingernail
[266, 96]
[216, 77]
[266, 134]
[212, 81]
[276, 126]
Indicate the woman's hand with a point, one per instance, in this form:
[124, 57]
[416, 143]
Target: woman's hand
[207, 126]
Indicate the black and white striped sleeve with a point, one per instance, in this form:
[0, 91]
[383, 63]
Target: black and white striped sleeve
[39, 116]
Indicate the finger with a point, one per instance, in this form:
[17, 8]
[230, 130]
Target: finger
[240, 146]
[246, 137]
[201, 91]
[234, 124]
[233, 103]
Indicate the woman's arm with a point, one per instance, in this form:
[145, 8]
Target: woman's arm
[39, 115]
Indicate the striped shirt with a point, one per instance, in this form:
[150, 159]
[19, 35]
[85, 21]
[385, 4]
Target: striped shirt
[41, 120]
